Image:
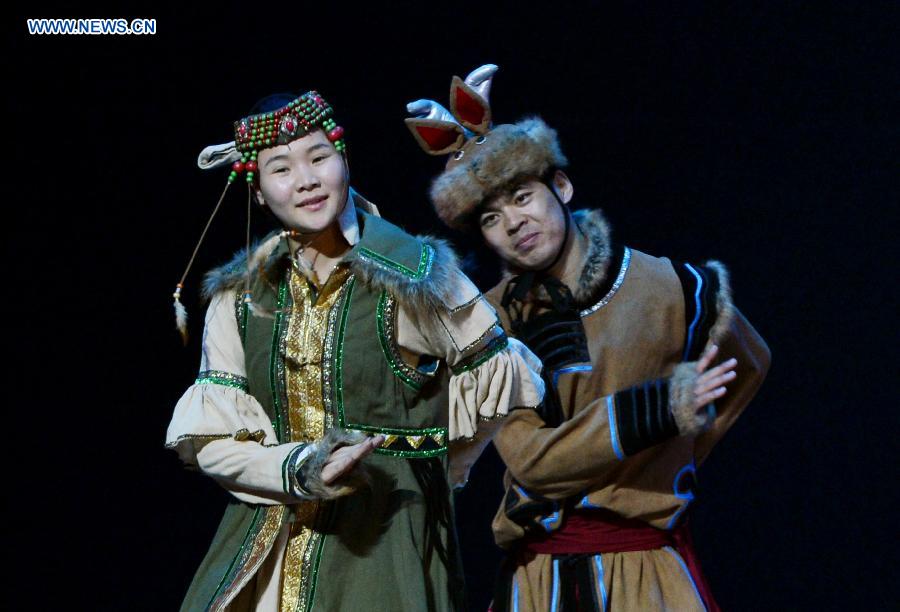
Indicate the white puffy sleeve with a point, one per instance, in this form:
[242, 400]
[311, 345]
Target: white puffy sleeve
[490, 373]
[218, 427]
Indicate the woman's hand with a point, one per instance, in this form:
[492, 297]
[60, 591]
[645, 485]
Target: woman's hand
[342, 461]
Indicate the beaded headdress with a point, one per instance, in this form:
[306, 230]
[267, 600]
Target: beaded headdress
[484, 159]
[294, 120]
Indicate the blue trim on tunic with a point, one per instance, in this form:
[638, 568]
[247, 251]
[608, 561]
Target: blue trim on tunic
[548, 522]
[515, 594]
[613, 428]
[577, 368]
[555, 585]
[683, 565]
[598, 561]
[690, 338]
[688, 496]
[584, 503]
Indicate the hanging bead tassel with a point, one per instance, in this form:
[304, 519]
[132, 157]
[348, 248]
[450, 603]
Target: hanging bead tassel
[180, 314]
[254, 308]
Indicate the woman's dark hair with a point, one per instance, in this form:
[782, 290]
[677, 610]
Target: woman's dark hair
[272, 102]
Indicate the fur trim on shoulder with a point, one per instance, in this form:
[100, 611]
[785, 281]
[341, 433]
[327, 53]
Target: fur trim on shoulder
[596, 265]
[230, 276]
[724, 304]
[681, 400]
[309, 476]
[430, 291]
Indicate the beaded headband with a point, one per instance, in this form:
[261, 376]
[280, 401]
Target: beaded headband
[296, 119]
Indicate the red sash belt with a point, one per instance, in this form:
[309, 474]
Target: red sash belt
[598, 531]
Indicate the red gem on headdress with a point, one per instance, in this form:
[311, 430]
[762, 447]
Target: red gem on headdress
[242, 129]
[251, 166]
[336, 134]
[289, 125]
[237, 167]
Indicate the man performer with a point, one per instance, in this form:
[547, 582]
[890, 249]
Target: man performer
[598, 482]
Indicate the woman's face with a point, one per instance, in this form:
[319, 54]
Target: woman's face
[304, 183]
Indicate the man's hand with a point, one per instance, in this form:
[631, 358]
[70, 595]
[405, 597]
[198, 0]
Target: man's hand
[692, 389]
[710, 385]
[342, 461]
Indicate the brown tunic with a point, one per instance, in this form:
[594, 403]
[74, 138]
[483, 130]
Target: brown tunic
[635, 332]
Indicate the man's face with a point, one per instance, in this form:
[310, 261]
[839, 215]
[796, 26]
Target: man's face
[304, 183]
[527, 226]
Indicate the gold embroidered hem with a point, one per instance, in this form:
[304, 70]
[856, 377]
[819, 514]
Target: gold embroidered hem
[296, 574]
[253, 556]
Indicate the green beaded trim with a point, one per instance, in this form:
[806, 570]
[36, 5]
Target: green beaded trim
[226, 379]
[338, 349]
[328, 395]
[274, 375]
[425, 262]
[493, 347]
[314, 574]
[231, 572]
[339, 354]
[240, 314]
[398, 431]
[411, 453]
[384, 318]
[400, 446]
[294, 120]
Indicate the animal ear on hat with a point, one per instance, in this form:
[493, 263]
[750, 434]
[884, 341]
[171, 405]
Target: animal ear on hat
[469, 107]
[436, 137]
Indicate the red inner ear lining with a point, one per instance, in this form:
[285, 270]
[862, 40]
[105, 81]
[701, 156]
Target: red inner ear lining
[468, 108]
[437, 138]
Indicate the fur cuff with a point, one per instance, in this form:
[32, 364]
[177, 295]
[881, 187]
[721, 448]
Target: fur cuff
[681, 400]
[309, 472]
[724, 305]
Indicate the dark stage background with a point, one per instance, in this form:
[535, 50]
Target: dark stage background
[761, 134]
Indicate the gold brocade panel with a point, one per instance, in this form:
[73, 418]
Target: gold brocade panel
[304, 348]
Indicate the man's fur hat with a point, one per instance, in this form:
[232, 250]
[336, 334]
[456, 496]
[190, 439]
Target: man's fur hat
[484, 160]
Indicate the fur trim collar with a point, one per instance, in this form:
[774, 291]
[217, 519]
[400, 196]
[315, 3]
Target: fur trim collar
[230, 276]
[724, 304]
[596, 270]
[600, 251]
[430, 287]
[377, 263]
[596, 265]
